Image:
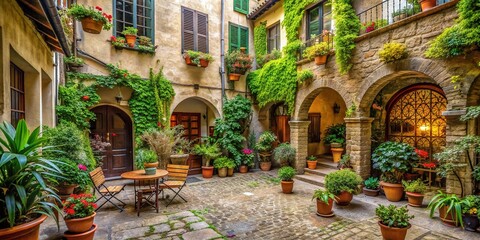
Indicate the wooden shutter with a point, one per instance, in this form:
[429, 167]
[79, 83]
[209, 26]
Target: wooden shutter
[233, 42]
[314, 127]
[241, 6]
[243, 35]
[202, 32]
[188, 30]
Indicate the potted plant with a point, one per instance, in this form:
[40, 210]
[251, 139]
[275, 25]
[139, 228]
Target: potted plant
[209, 150]
[400, 14]
[335, 136]
[247, 160]
[93, 19]
[73, 63]
[230, 167]
[286, 175]
[238, 63]
[284, 154]
[181, 146]
[392, 52]
[221, 164]
[426, 4]
[393, 159]
[371, 187]
[343, 183]
[449, 208]
[344, 162]
[470, 212]
[319, 52]
[264, 147]
[73, 175]
[145, 45]
[312, 162]
[199, 59]
[22, 169]
[324, 202]
[79, 213]
[394, 221]
[414, 190]
[118, 42]
[146, 159]
[130, 34]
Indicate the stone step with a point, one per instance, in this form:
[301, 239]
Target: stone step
[326, 163]
[319, 171]
[312, 179]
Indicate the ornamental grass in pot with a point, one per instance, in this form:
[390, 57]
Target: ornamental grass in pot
[371, 187]
[79, 212]
[394, 221]
[264, 147]
[343, 184]
[286, 175]
[209, 150]
[470, 212]
[393, 159]
[324, 202]
[449, 208]
[312, 162]
[93, 19]
[414, 190]
[221, 164]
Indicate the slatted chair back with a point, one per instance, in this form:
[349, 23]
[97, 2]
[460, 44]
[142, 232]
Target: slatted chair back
[177, 172]
[97, 177]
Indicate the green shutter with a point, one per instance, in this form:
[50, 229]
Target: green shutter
[243, 35]
[241, 6]
[233, 42]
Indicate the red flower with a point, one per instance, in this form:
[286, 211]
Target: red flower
[82, 167]
[421, 153]
[247, 151]
[114, 134]
[125, 75]
[85, 98]
[94, 205]
[70, 211]
[98, 8]
[113, 38]
[429, 165]
[84, 202]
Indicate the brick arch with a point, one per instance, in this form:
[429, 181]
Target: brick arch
[306, 96]
[213, 104]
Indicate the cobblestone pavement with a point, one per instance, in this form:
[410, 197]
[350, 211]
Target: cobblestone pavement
[251, 206]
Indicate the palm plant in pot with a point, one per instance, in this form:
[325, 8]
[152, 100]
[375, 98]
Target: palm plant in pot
[284, 154]
[371, 187]
[130, 34]
[26, 182]
[449, 208]
[414, 190]
[393, 159]
[247, 160]
[470, 212]
[324, 202]
[319, 52]
[79, 213]
[93, 19]
[264, 147]
[394, 221]
[286, 175]
[238, 63]
[209, 150]
[343, 184]
[312, 162]
[221, 164]
[335, 136]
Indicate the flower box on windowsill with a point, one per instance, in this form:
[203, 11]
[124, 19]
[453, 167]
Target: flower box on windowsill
[198, 59]
[136, 48]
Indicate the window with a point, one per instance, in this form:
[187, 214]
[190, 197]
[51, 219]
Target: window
[194, 30]
[238, 37]
[17, 94]
[319, 18]
[241, 6]
[273, 41]
[314, 127]
[134, 13]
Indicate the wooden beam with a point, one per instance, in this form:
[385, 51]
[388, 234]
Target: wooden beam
[32, 7]
[39, 21]
[47, 35]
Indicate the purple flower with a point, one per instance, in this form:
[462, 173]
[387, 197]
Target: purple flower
[82, 167]
[247, 151]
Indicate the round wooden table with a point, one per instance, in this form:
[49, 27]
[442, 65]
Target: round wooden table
[139, 175]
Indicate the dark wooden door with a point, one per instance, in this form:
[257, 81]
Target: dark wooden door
[192, 124]
[115, 127]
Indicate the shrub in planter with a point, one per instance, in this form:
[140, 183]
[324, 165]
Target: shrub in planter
[414, 190]
[342, 183]
[319, 52]
[222, 164]
[312, 162]
[209, 150]
[230, 167]
[392, 52]
[335, 136]
[130, 34]
[264, 147]
[324, 202]
[79, 212]
[470, 212]
[198, 59]
[284, 154]
[286, 175]
[394, 221]
[93, 19]
[145, 158]
[449, 208]
[305, 76]
[371, 187]
[73, 175]
[145, 45]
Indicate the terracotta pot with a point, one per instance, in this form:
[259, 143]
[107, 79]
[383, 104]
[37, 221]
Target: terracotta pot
[66, 189]
[222, 172]
[131, 40]
[320, 60]
[393, 233]
[344, 198]
[26, 231]
[470, 222]
[427, 4]
[265, 166]
[243, 169]
[179, 159]
[337, 154]
[88, 235]
[188, 61]
[234, 76]
[203, 63]
[207, 172]
[150, 165]
[415, 199]
[230, 172]
[447, 218]
[370, 192]
[312, 164]
[393, 191]
[91, 26]
[80, 225]
[287, 186]
[324, 209]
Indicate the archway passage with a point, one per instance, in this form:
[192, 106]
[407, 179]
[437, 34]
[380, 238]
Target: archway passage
[114, 126]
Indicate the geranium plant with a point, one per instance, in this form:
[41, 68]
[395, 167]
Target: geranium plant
[79, 206]
[80, 12]
[195, 57]
[118, 42]
[248, 157]
[238, 62]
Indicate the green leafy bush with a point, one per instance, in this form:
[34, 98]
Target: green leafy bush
[319, 49]
[335, 134]
[73, 60]
[347, 27]
[144, 156]
[286, 173]
[471, 205]
[294, 12]
[342, 180]
[262, 60]
[284, 154]
[416, 186]
[393, 216]
[304, 76]
[209, 150]
[392, 52]
[222, 162]
[265, 141]
[394, 159]
[372, 183]
[76, 99]
[448, 200]
[260, 39]
[323, 195]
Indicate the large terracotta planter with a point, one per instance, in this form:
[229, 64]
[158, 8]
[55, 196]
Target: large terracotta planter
[230, 172]
[447, 218]
[370, 192]
[470, 222]
[26, 231]
[344, 198]
[336, 154]
[222, 172]
[427, 4]
[88, 235]
[179, 159]
[393, 191]
[287, 186]
[415, 199]
[150, 165]
[207, 172]
[393, 233]
[234, 76]
[265, 166]
[91, 26]
[80, 225]
[203, 63]
[243, 169]
[131, 40]
[324, 209]
[320, 60]
[66, 189]
[312, 164]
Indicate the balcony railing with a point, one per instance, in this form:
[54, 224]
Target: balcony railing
[388, 12]
[328, 38]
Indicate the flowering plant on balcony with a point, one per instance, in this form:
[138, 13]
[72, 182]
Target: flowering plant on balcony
[81, 12]
[392, 52]
[79, 206]
[371, 26]
[238, 62]
[320, 49]
[118, 42]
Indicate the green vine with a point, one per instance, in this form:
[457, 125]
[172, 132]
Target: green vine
[163, 96]
[294, 12]
[347, 27]
[76, 99]
[260, 39]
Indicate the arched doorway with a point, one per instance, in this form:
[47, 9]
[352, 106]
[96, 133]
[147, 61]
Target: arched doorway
[115, 127]
[414, 116]
[279, 122]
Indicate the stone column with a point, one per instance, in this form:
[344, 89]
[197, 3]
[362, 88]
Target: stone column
[299, 140]
[358, 144]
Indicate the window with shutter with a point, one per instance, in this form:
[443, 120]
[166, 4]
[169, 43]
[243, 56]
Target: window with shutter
[273, 41]
[238, 37]
[241, 6]
[194, 30]
[134, 13]
[319, 18]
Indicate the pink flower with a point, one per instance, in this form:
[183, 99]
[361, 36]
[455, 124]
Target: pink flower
[82, 167]
[247, 151]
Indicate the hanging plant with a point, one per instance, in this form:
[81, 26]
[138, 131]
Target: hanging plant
[93, 19]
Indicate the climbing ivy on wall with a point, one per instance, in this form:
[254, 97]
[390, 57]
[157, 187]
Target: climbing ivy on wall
[260, 39]
[163, 96]
[294, 10]
[76, 100]
[347, 27]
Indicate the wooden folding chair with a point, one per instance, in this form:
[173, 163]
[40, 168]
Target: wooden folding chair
[176, 179]
[107, 192]
[144, 190]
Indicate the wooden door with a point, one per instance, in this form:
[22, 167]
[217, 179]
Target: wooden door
[115, 127]
[192, 124]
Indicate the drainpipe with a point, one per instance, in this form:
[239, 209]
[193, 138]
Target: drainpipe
[222, 51]
[50, 10]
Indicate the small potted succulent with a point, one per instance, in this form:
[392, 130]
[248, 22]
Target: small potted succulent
[238, 63]
[319, 52]
[247, 160]
[199, 59]
[93, 19]
[79, 213]
[471, 213]
[449, 208]
[394, 221]
[209, 151]
[312, 162]
[343, 184]
[344, 162]
[335, 136]
[264, 147]
[284, 154]
[324, 202]
[130, 34]
[414, 190]
[221, 164]
[371, 187]
[286, 175]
